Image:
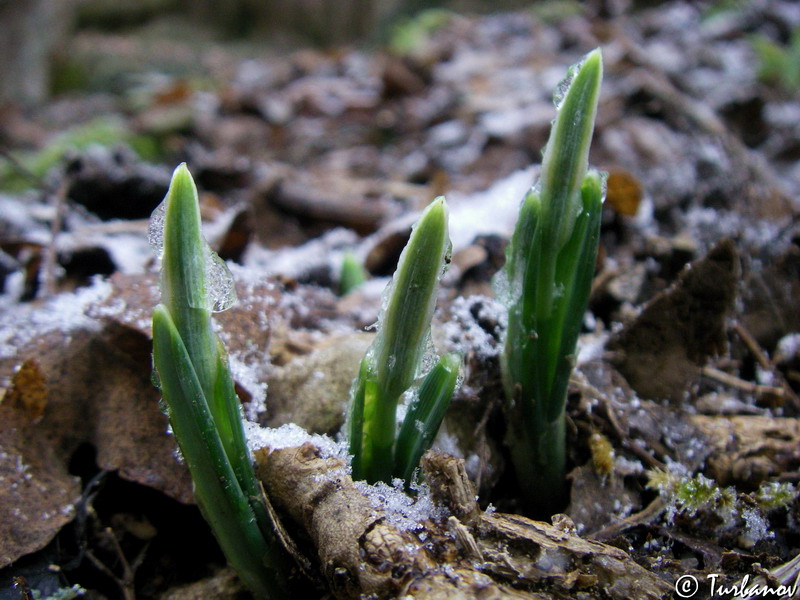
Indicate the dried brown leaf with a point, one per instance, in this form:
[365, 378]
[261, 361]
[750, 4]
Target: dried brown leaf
[661, 352]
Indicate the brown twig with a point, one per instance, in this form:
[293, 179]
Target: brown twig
[479, 434]
[50, 258]
[758, 390]
[126, 582]
[647, 515]
[753, 346]
[766, 363]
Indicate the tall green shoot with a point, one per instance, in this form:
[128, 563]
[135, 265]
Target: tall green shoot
[545, 286]
[202, 405]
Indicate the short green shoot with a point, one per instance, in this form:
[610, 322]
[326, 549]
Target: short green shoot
[197, 388]
[392, 363]
[779, 65]
[425, 415]
[545, 286]
[352, 275]
[411, 36]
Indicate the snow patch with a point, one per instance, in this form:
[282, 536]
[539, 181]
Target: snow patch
[492, 211]
[247, 377]
[756, 527]
[401, 510]
[64, 312]
[324, 251]
[290, 436]
[476, 325]
[788, 347]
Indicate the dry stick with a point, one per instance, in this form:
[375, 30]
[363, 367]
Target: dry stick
[760, 391]
[753, 346]
[601, 280]
[765, 362]
[126, 582]
[479, 434]
[647, 515]
[48, 278]
[472, 555]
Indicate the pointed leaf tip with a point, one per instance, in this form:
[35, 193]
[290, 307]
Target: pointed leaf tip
[182, 188]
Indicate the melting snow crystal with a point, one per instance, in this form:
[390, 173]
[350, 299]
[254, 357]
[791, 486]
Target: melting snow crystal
[220, 288]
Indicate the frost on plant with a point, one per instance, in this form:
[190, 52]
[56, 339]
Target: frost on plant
[701, 499]
[220, 292]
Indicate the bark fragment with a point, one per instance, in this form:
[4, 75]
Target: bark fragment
[747, 450]
[362, 553]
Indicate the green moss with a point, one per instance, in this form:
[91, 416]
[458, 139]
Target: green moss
[697, 492]
[67, 593]
[773, 495]
[703, 501]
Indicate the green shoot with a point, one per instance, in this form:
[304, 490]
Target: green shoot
[390, 366]
[545, 286]
[202, 405]
[352, 274]
[779, 65]
[411, 36]
[425, 415]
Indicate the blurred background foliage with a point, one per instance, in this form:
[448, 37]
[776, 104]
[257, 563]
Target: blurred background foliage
[52, 47]
[38, 54]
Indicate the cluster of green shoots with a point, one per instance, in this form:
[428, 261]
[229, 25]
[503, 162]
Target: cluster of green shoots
[545, 285]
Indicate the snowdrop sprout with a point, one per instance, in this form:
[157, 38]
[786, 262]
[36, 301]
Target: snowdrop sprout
[545, 287]
[394, 360]
[197, 389]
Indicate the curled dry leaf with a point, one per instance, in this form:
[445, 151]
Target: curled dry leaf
[80, 373]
